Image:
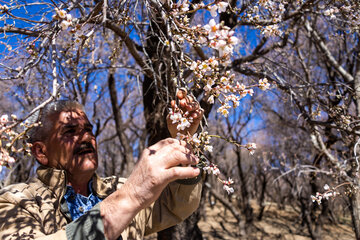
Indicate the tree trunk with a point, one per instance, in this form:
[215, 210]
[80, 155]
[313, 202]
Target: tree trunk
[355, 212]
[128, 160]
[157, 92]
[355, 196]
[246, 207]
[188, 229]
[262, 197]
[306, 218]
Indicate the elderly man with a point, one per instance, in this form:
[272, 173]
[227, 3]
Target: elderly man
[67, 200]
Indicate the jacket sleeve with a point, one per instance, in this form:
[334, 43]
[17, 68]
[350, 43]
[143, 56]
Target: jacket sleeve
[177, 202]
[89, 226]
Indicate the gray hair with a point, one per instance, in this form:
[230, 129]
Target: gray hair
[39, 133]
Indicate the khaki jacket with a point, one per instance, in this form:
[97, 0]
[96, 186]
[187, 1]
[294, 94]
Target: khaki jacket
[36, 209]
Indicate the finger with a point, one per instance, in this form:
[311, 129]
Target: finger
[173, 104]
[186, 104]
[197, 114]
[182, 172]
[193, 106]
[181, 93]
[180, 156]
[185, 144]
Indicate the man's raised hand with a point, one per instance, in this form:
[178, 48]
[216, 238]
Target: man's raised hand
[189, 107]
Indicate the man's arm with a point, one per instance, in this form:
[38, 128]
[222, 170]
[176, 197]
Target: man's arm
[158, 166]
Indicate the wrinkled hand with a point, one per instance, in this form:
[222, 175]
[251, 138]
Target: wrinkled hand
[186, 104]
[158, 166]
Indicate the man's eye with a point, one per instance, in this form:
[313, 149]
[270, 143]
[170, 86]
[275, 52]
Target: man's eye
[89, 130]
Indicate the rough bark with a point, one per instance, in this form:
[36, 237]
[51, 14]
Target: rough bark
[355, 212]
[157, 91]
[355, 195]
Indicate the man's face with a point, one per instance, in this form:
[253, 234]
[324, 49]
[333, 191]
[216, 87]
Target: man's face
[71, 144]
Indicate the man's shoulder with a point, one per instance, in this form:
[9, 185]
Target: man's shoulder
[20, 191]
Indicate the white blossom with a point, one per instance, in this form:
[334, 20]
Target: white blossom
[193, 65]
[185, 6]
[4, 8]
[222, 6]
[211, 99]
[65, 24]
[271, 30]
[4, 119]
[251, 147]
[184, 123]
[208, 148]
[61, 13]
[212, 169]
[180, 136]
[224, 110]
[207, 88]
[212, 28]
[228, 189]
[213, 10]
[264, 84]
[175, 117]
[194, 139]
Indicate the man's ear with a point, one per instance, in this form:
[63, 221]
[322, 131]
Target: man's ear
[38, 150]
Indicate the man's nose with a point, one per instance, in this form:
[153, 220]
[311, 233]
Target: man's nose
[86, 136]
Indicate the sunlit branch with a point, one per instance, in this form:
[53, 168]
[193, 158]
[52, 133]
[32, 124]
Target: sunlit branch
[327, 53]
[12, 29]
[131, 47]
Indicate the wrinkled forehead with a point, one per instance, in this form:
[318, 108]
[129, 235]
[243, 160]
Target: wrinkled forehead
[73, 116]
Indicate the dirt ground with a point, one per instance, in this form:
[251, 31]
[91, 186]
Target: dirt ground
[275, 224]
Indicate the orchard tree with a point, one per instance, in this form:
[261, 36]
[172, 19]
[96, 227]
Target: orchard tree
[104, 52]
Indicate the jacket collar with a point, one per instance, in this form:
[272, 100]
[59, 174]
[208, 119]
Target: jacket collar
[56, 180]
